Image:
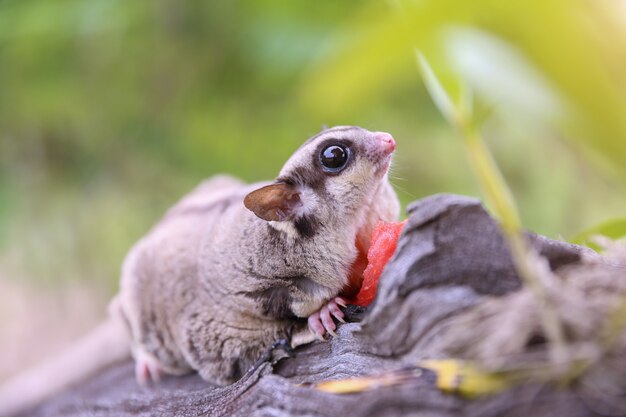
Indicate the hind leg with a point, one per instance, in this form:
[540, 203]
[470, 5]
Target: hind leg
[147, 368]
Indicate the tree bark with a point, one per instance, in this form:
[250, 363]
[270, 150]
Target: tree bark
[450, 258]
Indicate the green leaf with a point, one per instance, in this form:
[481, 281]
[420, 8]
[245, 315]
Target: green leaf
[439, 95]
[614, 229]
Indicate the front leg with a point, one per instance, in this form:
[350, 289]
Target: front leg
[318, 304]
[322, 321]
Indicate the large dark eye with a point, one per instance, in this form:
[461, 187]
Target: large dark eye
[334, 158]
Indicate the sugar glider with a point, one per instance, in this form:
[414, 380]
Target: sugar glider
[234, 267]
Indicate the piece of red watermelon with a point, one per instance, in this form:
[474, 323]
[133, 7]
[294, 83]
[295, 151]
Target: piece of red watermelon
[355, 279]
[383, 244]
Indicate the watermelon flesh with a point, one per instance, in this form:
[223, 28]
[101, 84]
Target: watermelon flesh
[384, 241]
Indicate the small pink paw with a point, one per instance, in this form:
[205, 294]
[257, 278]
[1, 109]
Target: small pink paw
[322, 321]
[147, 369]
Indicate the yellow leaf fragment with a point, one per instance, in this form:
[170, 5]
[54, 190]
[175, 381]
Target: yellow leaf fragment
[367, 383]
[459, 377]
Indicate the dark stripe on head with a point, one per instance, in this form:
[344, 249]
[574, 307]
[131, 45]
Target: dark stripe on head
[313, 175]
[327, 131]
[306, 176]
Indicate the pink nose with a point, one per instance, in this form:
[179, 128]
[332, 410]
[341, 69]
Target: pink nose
[386, 140]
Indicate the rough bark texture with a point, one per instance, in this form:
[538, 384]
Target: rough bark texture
[450, 257]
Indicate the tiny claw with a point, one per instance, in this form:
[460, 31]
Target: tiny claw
[155, 372]
[316, 327]
[323, 321]
[341, 302]
[327, 320]
[339, 318]
[147, 369]
[141, 373]
[336, 311]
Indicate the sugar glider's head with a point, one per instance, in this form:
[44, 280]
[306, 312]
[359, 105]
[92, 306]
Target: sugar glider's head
[329, 179]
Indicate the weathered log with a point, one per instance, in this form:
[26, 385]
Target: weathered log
[450, 258]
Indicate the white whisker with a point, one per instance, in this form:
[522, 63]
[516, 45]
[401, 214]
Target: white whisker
[402, 190]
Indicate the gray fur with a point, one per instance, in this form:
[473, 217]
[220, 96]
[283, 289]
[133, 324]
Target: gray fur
[212, 285]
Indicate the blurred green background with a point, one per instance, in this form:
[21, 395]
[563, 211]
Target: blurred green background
[111, 110]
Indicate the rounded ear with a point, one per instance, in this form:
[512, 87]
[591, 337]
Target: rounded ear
[275, 202]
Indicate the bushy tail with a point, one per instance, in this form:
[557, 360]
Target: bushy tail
[105, 345]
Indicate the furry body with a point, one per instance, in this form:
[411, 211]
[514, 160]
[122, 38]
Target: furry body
[233, 267]
[213, 285]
